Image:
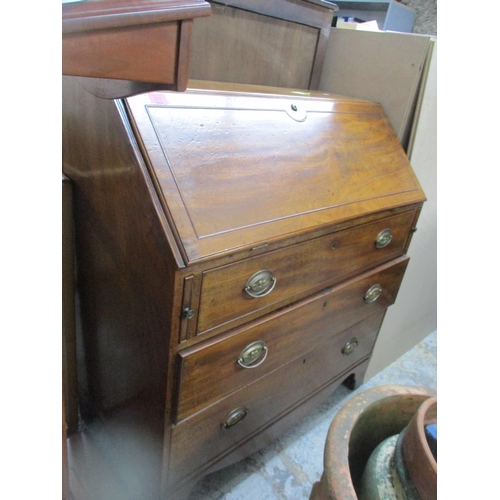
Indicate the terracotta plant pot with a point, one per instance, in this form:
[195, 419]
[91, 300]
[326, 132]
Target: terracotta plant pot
[358, 428]
[420, 462]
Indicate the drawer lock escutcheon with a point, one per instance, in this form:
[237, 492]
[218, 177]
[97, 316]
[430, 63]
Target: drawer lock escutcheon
[252, 353]
[260, 284]
[350, 346]
[383, 238]
[373, 293]
[235, 417]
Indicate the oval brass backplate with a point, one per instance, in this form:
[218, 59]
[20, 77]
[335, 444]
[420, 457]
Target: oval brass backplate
[260, 284]
[383, 238]
[350, 346]
[373, 293]
[252, 353]
[234, 417]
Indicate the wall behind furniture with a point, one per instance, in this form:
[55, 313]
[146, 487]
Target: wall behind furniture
[414, 316]
[426, 16]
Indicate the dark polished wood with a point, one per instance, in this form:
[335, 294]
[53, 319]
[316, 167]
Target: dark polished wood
[131, 41]
[221, 206]
[69, 338]
[178, 201]
[299, 270]
[280, 43]
[352, 379]
[266, 399]
[209, 371]
[65, 465]
[122, 241]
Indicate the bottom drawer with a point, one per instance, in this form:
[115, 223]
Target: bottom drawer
[218, 429]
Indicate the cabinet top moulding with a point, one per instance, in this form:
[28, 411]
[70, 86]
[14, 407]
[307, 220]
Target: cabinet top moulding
[107, 14]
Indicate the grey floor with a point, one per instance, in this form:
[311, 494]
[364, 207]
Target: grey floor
[288, 469]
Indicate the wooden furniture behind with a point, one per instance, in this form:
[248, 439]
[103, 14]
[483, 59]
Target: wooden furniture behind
[280, 43]
[121, 47]
[238, 248]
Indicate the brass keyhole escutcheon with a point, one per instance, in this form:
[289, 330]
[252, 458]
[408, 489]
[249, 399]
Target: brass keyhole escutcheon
[260, 284]
[373, 293]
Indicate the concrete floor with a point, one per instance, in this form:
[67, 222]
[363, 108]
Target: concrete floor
[288, 469]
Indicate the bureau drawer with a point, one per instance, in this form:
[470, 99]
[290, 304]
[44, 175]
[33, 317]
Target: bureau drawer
[220, 366]
[238, 289]
[202, 438]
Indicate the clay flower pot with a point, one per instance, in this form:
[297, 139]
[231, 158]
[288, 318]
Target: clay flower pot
[357, 429]
[418, 457]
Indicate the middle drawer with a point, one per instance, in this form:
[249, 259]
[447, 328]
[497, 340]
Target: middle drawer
[220, 366]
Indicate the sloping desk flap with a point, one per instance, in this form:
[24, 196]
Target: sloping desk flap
[235, 169]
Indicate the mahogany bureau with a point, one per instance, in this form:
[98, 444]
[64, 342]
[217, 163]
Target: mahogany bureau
[238, 248]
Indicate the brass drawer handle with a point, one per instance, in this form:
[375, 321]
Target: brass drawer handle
[373, 293]
[251, 353]
[383, 238]
[260, 284]
[350, 346]
[234, 417]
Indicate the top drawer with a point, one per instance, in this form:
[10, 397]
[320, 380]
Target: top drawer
[262, 283]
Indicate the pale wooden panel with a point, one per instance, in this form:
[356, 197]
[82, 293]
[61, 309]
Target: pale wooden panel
[414, 316]
[234, 45]
[378, 66]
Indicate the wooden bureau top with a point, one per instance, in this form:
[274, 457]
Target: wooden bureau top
[235, 169]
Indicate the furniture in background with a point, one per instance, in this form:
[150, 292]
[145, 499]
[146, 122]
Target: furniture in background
[280, 43]
[122, 47]
[389, 14]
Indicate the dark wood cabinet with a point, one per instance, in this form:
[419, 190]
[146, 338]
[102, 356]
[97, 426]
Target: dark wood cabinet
[237, 249]
[237, 246]
[121, 47]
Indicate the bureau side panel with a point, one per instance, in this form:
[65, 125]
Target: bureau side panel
[126, 261]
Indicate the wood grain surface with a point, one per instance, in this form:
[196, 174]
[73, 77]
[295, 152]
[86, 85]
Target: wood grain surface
[331, 160]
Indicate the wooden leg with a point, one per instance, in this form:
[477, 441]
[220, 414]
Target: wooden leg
[356, 378]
